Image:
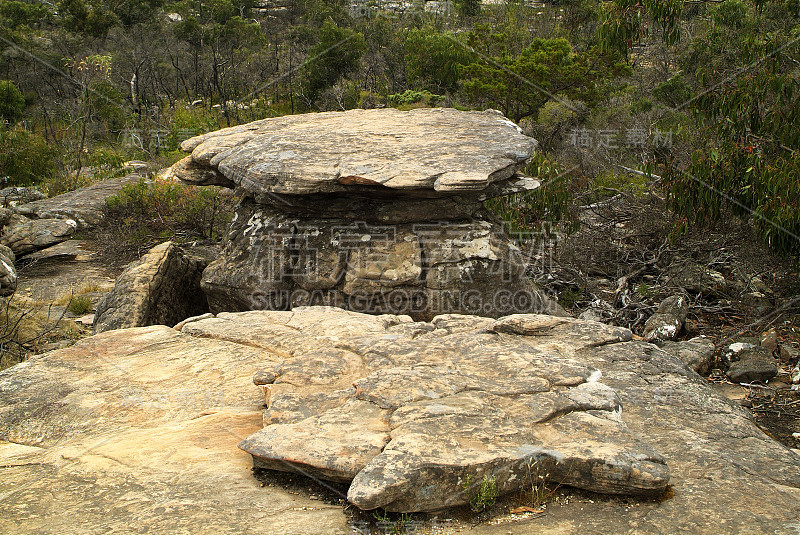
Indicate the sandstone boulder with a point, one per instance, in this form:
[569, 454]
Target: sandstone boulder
[750, 363]
[697, 279]
[25, 236]
[273, 261]
[377, 211]
[668, 319]
[161, 288]
[5, 216]
[697, 354]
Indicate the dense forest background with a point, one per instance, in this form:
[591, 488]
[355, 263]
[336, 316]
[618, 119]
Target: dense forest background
[699, 96]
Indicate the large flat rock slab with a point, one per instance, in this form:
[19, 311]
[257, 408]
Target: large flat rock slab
[136, 430]
[428, 414]
[437, 150]
[83, 205]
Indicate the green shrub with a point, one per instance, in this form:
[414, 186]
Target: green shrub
[608, 183]
[80, 305]
[398, 523]
[434, 59]
[732, 13]
[107, 105]
[559, 112]
[12, 103]
[674, 92]
[189, 122]
[641, 105]
[644, 290]
[409, 97]
[106, 157]
[483, 495]
[747, 140]
[25, 158]
[146, 213]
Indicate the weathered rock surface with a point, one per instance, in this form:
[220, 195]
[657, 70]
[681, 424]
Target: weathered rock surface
[273, 261]
[197, 175]
[668, 319]
[17, 195]
[137, 165]
[439, 150]
[69, 250]
[750, 363]
[410, 419]
[8, 272]
[5, 216]
[161, 288]
[136, 430]
[84, 205]
[388, 206]
[28, 236]
[757, 300]
[769, 340]
[697, 279]
[697, 354]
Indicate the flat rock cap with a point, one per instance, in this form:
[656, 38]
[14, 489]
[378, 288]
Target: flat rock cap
[438, 150]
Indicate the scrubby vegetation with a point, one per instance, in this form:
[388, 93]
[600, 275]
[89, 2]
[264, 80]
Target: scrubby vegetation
[702, 95]
[149, 212]
[25, 326]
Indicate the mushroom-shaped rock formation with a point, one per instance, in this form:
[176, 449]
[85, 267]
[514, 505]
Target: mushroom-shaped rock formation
[378, 211]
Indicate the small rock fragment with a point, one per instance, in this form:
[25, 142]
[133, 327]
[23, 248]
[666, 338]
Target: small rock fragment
[796, 375]
[697, 353]
[752, 363]
[668, 320]
[789, 353]
[769, 340]
[757, 300]
[88, 319]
